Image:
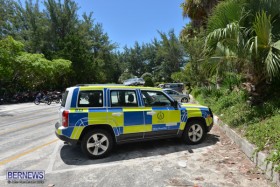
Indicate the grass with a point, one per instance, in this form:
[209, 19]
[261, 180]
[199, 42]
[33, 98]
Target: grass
[260, 124]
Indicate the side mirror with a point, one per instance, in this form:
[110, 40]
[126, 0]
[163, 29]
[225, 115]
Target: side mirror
[175, 104]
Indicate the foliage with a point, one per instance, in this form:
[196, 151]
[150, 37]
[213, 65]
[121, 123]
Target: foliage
[146, 75]
[26, 71]
[260, 123]
[160, 58]
[197, 10]
[249, 38]
[124, 76]
[241, 47]
[149, 82]
[265, 135]
[55, 30]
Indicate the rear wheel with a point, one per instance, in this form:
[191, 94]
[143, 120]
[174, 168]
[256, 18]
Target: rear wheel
[184, 100]
[97, 143]
[194, 132]
[37, 101]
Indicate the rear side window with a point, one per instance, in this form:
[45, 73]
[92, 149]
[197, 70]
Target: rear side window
[64, 97]
[90, 99]
[121, 98]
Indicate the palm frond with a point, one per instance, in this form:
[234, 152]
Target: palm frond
[262, 27]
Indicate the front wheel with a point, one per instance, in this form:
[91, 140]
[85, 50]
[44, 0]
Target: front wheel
[184, 100]
[37, 101]
[97, 143]
[49, 101]
[194, 132]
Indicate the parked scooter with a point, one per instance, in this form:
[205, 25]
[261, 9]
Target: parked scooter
[40, 98]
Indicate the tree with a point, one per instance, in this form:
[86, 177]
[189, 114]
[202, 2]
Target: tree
[198, 11]
[172, 54]
[149, 82]
[9, 50]
[252, 39]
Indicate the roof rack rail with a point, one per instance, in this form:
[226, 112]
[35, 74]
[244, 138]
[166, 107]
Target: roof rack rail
[99, 85]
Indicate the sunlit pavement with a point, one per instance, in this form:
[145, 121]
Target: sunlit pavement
[28, 142]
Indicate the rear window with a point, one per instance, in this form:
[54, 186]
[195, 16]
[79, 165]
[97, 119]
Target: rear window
[64, 97]
[90, 99]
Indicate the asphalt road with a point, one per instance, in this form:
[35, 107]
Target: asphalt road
[28, 142]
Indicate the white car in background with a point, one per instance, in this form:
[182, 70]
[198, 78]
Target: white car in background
[183, 98]
[134, 82]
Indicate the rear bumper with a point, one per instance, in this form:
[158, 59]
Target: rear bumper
[62, 137]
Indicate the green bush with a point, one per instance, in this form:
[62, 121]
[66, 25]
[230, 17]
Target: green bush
[149, 82]
[265, 135]
[261, 123]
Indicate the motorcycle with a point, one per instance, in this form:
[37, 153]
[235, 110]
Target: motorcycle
[55, 97]
[45, 99]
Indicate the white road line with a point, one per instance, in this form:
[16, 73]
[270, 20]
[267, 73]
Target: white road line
[53, 157]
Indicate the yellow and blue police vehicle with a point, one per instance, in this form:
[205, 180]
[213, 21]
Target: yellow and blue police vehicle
[99, 116]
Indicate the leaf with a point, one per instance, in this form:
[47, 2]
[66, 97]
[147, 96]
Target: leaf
[276, 45]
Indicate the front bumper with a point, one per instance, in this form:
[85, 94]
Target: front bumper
[210, 127]
[62, 137]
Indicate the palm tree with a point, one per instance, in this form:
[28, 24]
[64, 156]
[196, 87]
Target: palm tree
[250, 30]
[198, 10]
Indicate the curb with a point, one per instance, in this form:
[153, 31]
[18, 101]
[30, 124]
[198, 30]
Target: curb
[259, 158]
[250, 150]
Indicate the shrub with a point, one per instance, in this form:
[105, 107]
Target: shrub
[149, 82]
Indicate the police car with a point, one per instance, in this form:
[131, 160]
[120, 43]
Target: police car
[99, 116]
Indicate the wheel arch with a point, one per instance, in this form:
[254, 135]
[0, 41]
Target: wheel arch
[106, 127]
[201, 119]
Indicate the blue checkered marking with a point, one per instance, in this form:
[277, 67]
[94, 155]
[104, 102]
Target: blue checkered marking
[74, 98]
[97, 110]
[205, 112]
[148, 118]
[133, 118]
[67, 132]
[104, 97]
[120, 130]
[184, 115]
[74, 118]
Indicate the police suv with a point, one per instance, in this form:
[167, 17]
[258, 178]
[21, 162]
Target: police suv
[99, 116]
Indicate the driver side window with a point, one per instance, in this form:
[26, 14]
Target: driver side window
[154, 98]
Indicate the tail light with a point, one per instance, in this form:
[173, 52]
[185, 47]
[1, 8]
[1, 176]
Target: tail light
[65, 115]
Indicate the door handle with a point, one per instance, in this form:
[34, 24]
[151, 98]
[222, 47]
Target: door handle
[117, 114]
[151, 113]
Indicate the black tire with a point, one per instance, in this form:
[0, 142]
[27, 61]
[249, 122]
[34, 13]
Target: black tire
[184, 100]
[89, 138]
[200, 133]
[37, 101]
[49, 101]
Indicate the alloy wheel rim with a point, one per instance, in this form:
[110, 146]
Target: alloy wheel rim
[195, 133]
[97, 144]
[184, 100]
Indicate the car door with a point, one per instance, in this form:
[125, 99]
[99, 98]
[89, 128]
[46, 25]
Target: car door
[124, 112]
[161, 118]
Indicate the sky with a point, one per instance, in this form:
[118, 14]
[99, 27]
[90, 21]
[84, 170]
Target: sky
[127, 21]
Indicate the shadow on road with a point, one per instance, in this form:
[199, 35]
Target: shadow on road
[72, 155]
[6, 115]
